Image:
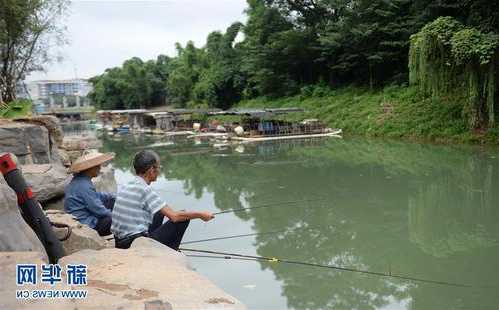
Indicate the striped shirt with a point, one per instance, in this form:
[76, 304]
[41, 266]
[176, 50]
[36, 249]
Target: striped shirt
[134, 209]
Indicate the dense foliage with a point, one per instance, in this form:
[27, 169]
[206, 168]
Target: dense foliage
[447, 57]
[290, 47]
[28, 28]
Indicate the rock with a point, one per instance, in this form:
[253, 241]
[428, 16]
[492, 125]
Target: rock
[15, 234]
[50, 122]
[80, 237]
[65, 158]
[8, 287]
[81, 143]
[74, 146]
[73, 155]
[106, 182]
[148, 272]
[30, 143]
[8, 199]
[48, 181]
[146, 276]
[54, 204]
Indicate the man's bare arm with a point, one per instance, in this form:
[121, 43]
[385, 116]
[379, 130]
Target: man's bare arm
[180, 216]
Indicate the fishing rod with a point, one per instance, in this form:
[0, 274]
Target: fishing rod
[29, 207]
[225, 255]
[234, 236]
[268, 205]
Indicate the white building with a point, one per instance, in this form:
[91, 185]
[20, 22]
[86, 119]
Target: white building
[60, 93]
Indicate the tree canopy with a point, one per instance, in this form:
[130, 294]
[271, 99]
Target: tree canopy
[287, 45]
[27, 30]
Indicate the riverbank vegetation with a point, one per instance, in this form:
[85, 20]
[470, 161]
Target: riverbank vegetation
[401, 68]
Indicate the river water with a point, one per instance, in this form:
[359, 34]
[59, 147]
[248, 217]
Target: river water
[417, 210]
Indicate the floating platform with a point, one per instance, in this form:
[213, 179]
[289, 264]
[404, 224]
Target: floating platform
[334, 133]
[178, 133]
[210, 135]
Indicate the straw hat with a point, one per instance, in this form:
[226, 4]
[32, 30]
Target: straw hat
[90, 160]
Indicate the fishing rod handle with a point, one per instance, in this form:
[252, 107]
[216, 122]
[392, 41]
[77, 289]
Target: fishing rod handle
[30, 209]
[14, 178]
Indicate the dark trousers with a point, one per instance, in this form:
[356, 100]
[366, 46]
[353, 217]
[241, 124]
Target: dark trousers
[103, 226]
[168, 233]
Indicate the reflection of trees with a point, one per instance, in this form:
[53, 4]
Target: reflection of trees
[453, 214]
[363, 222]
[124, 146]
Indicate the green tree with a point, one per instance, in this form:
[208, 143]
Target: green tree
[186, 69]
[264, 64]
[136, 84]
[27, 30]
[221, 82]
[448, 57]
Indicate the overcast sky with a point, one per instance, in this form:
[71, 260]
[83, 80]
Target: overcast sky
[104, 33]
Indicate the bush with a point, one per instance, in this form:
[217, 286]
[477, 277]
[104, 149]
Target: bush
[17, 108]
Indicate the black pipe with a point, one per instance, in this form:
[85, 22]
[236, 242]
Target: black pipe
[30, 208]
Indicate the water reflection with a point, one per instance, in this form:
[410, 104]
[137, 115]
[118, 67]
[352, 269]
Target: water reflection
[425, 211]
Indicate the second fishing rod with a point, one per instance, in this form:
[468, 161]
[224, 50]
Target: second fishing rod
[270, 205]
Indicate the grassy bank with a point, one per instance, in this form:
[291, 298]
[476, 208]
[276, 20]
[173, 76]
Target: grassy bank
[18, 108]
[394, 112]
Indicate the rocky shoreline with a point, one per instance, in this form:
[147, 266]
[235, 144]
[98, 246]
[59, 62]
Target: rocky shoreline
[147, 275]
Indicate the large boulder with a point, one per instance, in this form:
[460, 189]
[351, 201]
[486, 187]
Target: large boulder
[81, 143]
[15, 234]
[106, 182]
[146, 276]
[77, 236]
[48, 121]
[29, 142]
[74, 146]
[47, 181]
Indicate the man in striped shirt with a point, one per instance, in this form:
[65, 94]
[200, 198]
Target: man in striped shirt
[139, 211]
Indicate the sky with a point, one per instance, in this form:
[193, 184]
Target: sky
[103, 34]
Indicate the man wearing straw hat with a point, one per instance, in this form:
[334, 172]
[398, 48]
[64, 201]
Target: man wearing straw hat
[81, 198]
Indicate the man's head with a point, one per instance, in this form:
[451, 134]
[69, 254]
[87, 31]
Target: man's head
[147, 165]
[92, 172]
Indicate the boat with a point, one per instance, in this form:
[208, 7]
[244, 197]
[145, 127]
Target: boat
[178, 133]
[209, 135]
[334, 133]
[123, 129]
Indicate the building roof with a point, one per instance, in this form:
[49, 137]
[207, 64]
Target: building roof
[258, 112]
[133, 111]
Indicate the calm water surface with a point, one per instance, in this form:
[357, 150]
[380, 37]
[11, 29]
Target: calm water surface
[419, 210]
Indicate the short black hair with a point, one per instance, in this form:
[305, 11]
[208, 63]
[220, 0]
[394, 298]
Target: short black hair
[144, 160]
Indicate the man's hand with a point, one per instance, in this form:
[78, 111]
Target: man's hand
[206, 216]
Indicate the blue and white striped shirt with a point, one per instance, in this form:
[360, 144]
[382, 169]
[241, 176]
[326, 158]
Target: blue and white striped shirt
[134, 209]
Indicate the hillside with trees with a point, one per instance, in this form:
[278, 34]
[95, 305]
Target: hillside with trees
[394, 62]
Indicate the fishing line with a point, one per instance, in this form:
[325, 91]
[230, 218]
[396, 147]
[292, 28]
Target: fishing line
[234, 236]
[269, 205]
[221, 257]
[226, 255]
